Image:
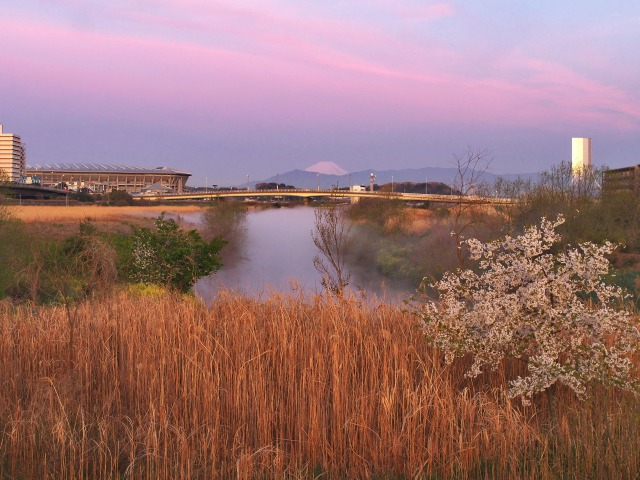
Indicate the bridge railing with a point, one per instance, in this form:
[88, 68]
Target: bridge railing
[309, 193]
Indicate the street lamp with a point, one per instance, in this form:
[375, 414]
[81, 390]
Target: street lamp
[391, 183]
[426, 186]
[277, 181]
[318, 177]
[247, 183]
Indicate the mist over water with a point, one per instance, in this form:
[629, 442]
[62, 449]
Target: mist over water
[276, 254]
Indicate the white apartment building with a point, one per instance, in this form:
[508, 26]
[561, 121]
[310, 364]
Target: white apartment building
[12, 156]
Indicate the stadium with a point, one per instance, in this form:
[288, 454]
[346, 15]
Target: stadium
[99, 177]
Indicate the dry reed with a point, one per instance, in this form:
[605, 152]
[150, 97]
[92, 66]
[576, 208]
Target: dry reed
[166, 388]
[45, 213]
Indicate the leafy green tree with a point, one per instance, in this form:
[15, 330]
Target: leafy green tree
[172, 257]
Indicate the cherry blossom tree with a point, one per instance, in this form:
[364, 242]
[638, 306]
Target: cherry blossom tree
[533, 300]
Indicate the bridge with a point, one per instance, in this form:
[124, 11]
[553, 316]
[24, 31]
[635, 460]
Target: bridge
[21, 190]
[308, 194]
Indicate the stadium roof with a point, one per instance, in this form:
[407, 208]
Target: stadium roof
[101, 167]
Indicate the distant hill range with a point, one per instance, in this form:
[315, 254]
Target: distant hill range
[307, 179]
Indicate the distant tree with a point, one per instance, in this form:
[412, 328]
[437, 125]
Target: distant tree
[591, 213]
[437, 188]
[560, 191]
[83, 195]
[171, 257]
[470, 167]
[117, 198]
[273, 186]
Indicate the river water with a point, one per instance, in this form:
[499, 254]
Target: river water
[277, 256]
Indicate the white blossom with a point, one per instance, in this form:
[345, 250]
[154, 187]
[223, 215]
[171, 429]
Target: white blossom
[534, 301]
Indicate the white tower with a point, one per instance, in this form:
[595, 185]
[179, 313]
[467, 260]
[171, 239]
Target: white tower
[580, 155]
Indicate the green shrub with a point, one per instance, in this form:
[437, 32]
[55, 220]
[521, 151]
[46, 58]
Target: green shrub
[171, 257]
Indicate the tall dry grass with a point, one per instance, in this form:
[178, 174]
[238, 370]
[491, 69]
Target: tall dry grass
[165, 388]
[78, 213]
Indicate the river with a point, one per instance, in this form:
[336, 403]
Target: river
[277, 256]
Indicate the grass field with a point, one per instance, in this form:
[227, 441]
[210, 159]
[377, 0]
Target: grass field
[164, 387]
[33, 214]
[57, 222]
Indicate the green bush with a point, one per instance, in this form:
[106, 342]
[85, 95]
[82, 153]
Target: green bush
[171, 257]
[394, 261]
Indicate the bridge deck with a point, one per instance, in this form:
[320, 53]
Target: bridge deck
[329, 193]
[31, 191]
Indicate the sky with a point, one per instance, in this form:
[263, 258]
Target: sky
[226, 89]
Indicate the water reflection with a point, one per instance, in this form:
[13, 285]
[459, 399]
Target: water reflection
[277, 253]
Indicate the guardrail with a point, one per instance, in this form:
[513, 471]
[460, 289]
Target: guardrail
[306, 193]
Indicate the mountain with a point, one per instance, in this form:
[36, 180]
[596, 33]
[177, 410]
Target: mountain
[311, 179]
[326, 168]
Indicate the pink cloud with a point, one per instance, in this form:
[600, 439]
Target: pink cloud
[556, 91]
[295, 80]
[428, 13]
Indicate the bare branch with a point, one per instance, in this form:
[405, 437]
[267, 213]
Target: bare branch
[332, 237]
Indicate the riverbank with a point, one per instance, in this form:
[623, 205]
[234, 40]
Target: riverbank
[57, 222]
[71, 214]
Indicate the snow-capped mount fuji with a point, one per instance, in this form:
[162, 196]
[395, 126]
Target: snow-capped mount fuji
[326, 168]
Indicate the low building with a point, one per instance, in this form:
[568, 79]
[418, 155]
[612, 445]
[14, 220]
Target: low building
[156, 189]
[626, 178]
[99, 177]
[12, 156]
